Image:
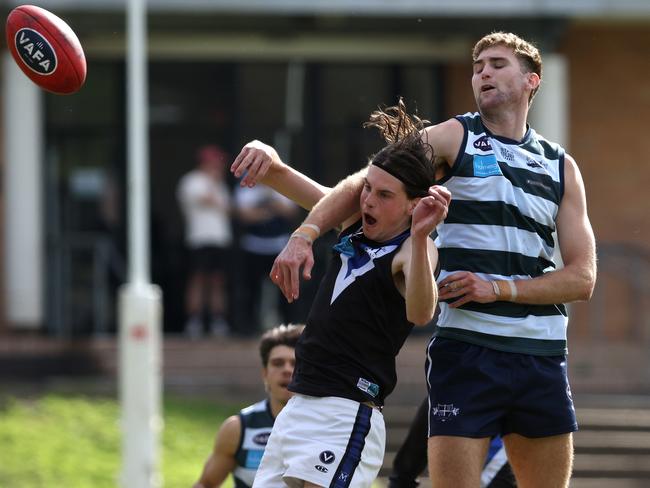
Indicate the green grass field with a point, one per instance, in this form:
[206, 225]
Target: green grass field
[74, 441]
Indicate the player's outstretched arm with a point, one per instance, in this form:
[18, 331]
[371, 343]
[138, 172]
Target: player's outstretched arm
[418, 257]
[260, 163]
[222, 459]
[339, 206]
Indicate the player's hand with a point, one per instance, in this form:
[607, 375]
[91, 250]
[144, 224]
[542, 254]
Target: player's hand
[430, 211]
[286, 268]
[253, 162]
[466, 287]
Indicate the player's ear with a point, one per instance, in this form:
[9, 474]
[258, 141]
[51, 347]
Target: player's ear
[412, 204]
[533, 80]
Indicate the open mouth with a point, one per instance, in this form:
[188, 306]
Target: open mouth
[486, 88]
[369, 219]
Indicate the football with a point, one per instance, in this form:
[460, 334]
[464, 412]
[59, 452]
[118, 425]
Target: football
[46, 49]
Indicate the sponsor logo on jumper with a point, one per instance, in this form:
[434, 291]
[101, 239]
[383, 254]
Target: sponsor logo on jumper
[327, 457]
[507, 155]
[35, 51]
[486, 165]
[368, 387]
[538, 184]
[445, 411]
[483, 143]
[532, 163]
[262, 439]
[344, 477]
[320, 468]
[253, 458]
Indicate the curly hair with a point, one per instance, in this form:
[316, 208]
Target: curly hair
[282, 335]
[407, 156]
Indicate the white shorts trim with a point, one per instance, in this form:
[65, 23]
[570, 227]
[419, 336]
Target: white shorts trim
[329, 441]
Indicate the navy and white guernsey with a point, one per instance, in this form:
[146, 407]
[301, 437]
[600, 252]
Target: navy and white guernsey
[505, 199]
[356, 326]
[257, 423]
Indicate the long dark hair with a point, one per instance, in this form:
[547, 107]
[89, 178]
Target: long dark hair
[406, 156]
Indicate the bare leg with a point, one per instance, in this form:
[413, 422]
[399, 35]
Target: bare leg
[456, 462]
[543, 462]
[194, 294]
[217, 294]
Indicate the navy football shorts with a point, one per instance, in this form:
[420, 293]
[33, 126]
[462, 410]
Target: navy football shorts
[479, 392]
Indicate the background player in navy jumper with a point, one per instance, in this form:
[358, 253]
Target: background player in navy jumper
[241, 440]
[380, 282]
[502, 296]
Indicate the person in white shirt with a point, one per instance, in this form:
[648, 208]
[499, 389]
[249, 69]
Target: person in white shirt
[205, 201]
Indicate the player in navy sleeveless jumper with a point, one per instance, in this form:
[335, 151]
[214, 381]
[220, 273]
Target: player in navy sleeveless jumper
[497, 361]
[379, 284]
[240, 442]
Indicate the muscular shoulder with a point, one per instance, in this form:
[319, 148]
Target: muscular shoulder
[228, 437]
[445, 138]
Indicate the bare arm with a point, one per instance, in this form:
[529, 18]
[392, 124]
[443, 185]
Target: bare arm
[574, 282]
[222, 459]
[417, 259]
[339, 206]
[445, 138]
[259, 162]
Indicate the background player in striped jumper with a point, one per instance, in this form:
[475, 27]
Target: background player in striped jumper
[380, 283]
[497, 361]
[241, 440]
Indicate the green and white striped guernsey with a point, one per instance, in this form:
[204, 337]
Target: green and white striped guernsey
[257, 423]
[505, 199]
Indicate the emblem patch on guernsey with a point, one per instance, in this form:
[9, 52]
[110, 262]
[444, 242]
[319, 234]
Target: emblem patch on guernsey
[444, 412]
[366, 386]
[486, 165]
[327, 457]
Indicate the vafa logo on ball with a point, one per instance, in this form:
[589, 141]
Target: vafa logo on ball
[35, 51]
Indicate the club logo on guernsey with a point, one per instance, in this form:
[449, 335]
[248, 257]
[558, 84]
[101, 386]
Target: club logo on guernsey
[35, 51]
[358, 258]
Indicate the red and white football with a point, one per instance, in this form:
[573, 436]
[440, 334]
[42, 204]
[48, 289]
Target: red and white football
[46, 49]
